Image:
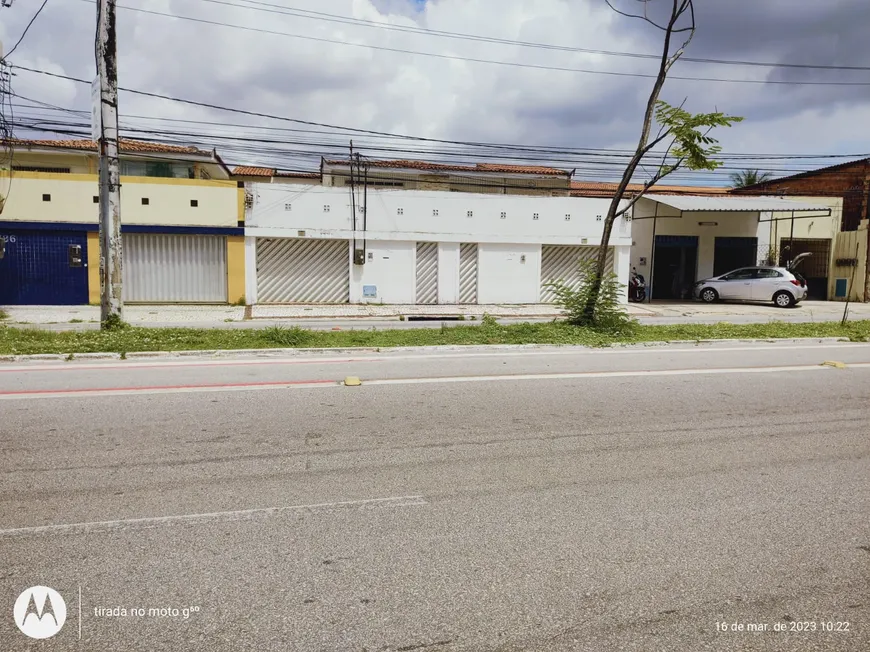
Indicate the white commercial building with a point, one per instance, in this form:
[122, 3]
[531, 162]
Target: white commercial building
[318, 244]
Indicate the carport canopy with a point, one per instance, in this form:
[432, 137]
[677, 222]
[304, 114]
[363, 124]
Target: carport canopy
[697, 204]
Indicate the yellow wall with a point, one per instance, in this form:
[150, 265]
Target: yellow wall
[849, 244]
[77, 163]
[93, 268]
[235, 269]
[72, 200]
[809, 227]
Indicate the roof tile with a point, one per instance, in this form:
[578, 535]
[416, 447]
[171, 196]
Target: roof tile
[503, 168]
[252, 171]
[126, 145]
[605, 189]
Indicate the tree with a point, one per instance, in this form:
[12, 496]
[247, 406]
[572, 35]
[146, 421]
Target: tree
[746, 178]
[689, 143]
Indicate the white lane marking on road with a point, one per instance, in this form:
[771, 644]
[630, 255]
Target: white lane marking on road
[387, 357]
[580, 375]
[603, 374]
[197, 519]
[181, 389]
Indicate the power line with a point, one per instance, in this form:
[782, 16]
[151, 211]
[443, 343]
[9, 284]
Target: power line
[286, 119]
[267, 7]
[282, 153]
[26, 29]
[445, 155]
[512, 64]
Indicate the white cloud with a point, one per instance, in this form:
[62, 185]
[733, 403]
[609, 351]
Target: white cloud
[404, 93]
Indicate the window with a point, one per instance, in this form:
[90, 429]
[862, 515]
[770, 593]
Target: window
[96, 199]
[768, 273]
[194, 203]
[160, 169]
[46, 198]
[39, 168]
[145, 201]
[740, 275]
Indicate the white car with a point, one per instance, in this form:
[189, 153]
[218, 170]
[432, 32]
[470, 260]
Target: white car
[777, 284]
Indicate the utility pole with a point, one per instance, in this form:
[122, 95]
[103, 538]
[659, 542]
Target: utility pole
[111, 264]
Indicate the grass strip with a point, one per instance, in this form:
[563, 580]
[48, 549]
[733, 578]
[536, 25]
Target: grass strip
[20, 341]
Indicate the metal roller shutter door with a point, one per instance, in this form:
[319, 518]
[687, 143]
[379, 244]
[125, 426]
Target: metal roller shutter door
[174, 268]
[427, 272]
[562, 263]
[468, 273]
[291, 270]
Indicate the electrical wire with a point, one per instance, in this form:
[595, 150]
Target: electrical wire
[259, 150]
[347, 20]
[257, 114]
[26, 29]
[513, 64]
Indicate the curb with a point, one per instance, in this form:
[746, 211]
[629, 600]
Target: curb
[265, 353]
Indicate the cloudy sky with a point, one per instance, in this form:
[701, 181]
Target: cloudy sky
[334, 76]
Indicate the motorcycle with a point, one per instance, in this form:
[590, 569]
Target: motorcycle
[636, 287]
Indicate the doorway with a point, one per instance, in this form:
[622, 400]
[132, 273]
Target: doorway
[674, 267]
[733, 253]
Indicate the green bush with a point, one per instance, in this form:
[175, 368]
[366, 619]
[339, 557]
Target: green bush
[114, 323]
[609, 314]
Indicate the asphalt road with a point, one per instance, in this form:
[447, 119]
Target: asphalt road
[480, 500]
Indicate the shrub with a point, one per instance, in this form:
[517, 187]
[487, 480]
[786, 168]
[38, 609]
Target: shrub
[287, 337]
[609, 314]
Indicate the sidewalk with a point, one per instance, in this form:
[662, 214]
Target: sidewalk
[381, 316]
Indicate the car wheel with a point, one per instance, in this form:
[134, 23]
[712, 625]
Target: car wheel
[709, 295]
[784, 299]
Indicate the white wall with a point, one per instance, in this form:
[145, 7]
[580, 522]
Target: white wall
[505, 277]
[509, 247]
[410, 215]
[391, 267]
[250, 271]
[448, 272]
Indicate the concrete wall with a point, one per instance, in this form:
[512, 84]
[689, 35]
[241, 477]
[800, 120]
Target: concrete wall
[808, 224]
[509, 273]
[72, 200]
[849, 245]
[509, 231]
[403, 215]
[391, 268]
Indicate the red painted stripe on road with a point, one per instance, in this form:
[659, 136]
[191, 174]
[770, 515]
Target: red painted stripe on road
[147, 388]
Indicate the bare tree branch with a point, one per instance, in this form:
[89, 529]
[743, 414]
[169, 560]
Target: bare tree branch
[639, 17]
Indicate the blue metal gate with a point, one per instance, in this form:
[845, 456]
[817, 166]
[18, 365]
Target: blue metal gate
[43, 268]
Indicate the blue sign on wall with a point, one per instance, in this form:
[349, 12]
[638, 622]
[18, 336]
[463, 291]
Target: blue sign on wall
[370, 291]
